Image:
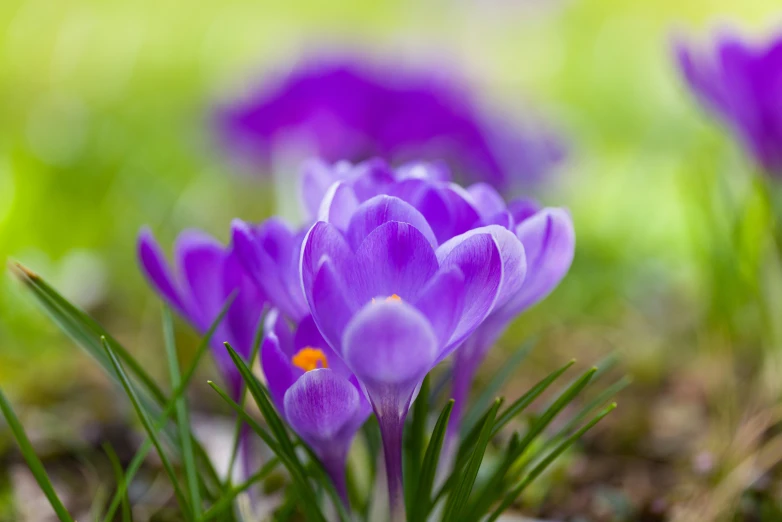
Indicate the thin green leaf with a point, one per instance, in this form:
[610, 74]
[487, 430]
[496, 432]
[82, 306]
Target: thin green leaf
[516, 408]
[145, 422]
[34, 463]
[238, 429]
[494, 486]
[162, 420]
[458, 498]
[422, 503]
[279, 431]
[492, 389]
[542, 465]
[289, 460]
[182, 416]
[127, 514]
[416, 435]
[225, 501]
[82, 328]
[87, 333]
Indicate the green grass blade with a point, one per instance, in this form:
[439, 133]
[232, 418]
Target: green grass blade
[33, 462]
[422, 503]
[458, 498]
[147, 424]
[543, 464]
[516, 408]
[162, 420]
[289, 460]
[494, 486]
[279, 431]
[492, 389]
[119, 474]
[182, 416]
[415, 441]
[238, 427]
[88, 334]
[225, 501]
[82, 328]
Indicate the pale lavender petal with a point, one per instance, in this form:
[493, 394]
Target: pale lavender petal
[315, 180]
[330, 304]
[279, 372]
[486, 200]
[323, 241]
[522, 209]
[549, 241]
[442, 301]
[382, 209]
[338, 205]
[319, 406]
[493, 263]
[275, 323]
[390, 346]
[396, 258]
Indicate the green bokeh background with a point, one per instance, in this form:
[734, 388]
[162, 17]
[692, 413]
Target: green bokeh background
[104, 110]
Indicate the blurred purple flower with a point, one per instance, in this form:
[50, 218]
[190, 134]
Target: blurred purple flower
[314, 392]
[393, 303]
[346, 109]
[204, 276]
[743, 86]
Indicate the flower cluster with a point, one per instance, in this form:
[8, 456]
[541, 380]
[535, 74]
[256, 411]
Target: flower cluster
[742, 84]
[397, 270]
[347, 109]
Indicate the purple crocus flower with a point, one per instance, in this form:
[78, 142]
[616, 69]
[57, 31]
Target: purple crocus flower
[346, 109]
[269, 253]
[742, 84]
[548, 237]
[393, 302]
[204, 276]
[314, 392]
[546, 233]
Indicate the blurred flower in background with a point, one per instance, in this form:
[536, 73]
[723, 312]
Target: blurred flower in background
[742, 83]
[342, 108]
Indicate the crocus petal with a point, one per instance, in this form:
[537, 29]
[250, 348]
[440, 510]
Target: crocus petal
[323, 240]
[244, 315]
[316, 178]
[442, 300]
[308, 335]
[390, 346]
[549, 242]
[486, 200]
[274, 323]
[277, 368]
[154, 264]
[478, 257]
[319, 405]
[200, 259]
[270, 254]
[330, 304]
[382, 209]
[396, 258]
[338, 205]
[523, 208]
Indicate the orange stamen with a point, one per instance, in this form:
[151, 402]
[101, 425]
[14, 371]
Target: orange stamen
[310, 358]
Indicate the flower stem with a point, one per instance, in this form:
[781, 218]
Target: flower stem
[334, 464]
[391, 430]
